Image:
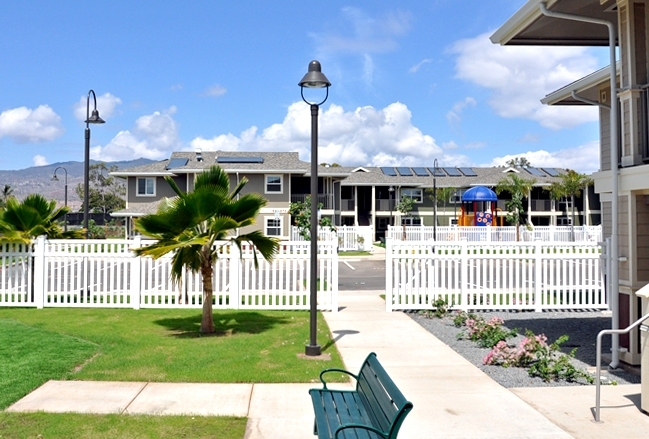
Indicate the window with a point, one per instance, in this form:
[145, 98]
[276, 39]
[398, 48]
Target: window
[411, 221]
[146, 187]
[415, 194]
[273, 184]
[273, 226]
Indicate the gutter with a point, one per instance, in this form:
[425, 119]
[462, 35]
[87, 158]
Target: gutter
[614, 282]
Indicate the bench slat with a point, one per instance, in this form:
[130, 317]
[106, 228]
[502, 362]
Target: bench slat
[334, 408]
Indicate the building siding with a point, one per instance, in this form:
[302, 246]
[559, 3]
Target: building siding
[642, 241]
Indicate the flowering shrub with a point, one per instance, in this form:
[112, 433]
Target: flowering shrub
[487, 333]
[542, 360]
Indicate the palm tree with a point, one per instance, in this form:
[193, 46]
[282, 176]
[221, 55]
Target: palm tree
[571, 185]
[444, 194]
[518, 188]
[191, 223]
[7, 192]
[20, 222]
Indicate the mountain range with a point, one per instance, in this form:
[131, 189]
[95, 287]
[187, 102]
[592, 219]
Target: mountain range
[38, 179]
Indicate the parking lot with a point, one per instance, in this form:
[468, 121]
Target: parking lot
[361, 274]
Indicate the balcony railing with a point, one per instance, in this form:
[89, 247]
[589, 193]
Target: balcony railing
[327, 200]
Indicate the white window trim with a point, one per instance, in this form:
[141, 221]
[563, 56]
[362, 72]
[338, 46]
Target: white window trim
[281, 184]
[273, 218]
[137, 186]
[417, 200]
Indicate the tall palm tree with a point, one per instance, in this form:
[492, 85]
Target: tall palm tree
[20, 222]
[191, 223]
[518, 188]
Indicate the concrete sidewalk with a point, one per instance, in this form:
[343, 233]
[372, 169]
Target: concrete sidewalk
[451, 397]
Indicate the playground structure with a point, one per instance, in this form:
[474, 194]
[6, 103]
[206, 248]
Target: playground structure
[479, 208]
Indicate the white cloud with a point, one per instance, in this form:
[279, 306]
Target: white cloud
[364, 137]
[583, 158]
[215, 91]
[106, 105]
[519, 77]
[39, 160]
[454, 115]
[154, 136]
[368, 34]
[24, 125]
[416, 67]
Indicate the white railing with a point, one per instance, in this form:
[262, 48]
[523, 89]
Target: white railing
[468, 276]
[497, 234]
[349, 238]
[106, 273]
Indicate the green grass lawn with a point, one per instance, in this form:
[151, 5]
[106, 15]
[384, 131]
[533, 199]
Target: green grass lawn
[78, 426]
[165, 346]
[148, 345]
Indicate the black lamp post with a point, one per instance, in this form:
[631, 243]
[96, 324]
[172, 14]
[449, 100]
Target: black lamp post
[435, 200]
[94, 118]
[55, 178]
[391, 201]
[314, 79]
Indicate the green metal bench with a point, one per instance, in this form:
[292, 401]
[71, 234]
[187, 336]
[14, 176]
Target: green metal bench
[374, 410]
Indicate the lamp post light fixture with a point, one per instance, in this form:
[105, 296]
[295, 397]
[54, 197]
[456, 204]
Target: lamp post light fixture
[435, 200]
[65, 203]
[94, 118]
[314, 78]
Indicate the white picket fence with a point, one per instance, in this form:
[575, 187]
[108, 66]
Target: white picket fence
[497, 234]
[106, 273]
[468, 276]
[349, 238]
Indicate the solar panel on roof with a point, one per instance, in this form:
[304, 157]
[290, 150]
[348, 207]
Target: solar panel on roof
[468, 172]
[224, 159]
[176, 163]
[535, 172]
[439, 172]
[402, 170]
[420, 172]
[452, 172]
[552, 172]
[389, 171]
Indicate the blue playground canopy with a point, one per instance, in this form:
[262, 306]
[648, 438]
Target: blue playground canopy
[479, 193]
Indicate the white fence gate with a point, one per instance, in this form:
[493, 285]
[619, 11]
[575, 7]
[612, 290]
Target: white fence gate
[468, 276]
[106, 273]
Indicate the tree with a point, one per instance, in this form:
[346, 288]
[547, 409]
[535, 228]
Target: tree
[106, 194]
[444, 194]
[404, 207]
[7, 192]
[20, 222]
[571, 185]
[301, 213]
[518, 188]
[190, 224]
[518, 162]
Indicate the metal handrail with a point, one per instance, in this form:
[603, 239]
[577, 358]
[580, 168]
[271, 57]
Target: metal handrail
[599, 358]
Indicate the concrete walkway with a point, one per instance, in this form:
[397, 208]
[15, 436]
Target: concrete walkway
[451, 397]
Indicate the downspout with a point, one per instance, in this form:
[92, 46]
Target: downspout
[615, 270]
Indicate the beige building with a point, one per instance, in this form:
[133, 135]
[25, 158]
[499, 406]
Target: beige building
[625, 23]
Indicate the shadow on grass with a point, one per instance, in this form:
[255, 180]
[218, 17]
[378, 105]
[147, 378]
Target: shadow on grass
[225, 324]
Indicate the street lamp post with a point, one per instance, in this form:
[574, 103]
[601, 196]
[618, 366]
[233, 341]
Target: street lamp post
[391, 201]
[94, 118]
[55, 178]
[314, 78]
[435, 200]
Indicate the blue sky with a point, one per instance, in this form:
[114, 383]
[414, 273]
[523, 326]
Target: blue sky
[412, 81]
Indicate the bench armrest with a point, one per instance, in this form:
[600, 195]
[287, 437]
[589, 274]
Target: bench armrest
[359, 426]
[334, 369]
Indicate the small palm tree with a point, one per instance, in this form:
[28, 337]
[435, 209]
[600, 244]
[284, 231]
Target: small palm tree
[518, 188]
[20, 222]
[571, 185]
[190, 224]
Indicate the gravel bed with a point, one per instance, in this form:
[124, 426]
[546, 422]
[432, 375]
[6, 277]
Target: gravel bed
[581, 327]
